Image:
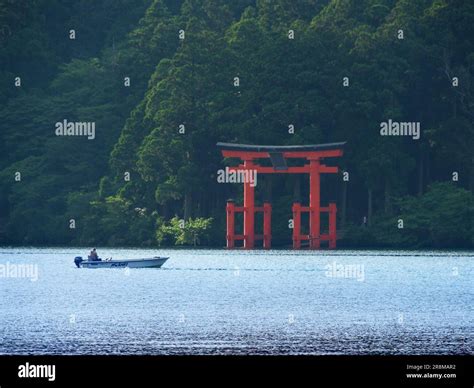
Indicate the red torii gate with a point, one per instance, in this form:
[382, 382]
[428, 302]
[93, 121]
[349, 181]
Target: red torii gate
[314, 154]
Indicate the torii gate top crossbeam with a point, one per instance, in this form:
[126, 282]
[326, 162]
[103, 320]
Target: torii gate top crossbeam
[249, 152]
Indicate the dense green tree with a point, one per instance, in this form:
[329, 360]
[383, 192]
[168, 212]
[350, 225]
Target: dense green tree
[164, 80]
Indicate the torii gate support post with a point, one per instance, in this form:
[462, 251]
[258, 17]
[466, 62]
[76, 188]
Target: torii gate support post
[230, 209]
[249, 210]
[332, 226]
[296, 225]
[267, 225]
[314, 205]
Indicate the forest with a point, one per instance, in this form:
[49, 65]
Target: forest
[162, 81]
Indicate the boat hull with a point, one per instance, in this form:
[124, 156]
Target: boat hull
[154, 262]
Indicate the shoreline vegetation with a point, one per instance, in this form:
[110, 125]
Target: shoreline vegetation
[160, 82]
[379, 251]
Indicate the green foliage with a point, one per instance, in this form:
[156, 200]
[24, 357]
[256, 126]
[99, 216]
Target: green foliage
[441, 218]
[190, 232]
[358, 236]
[190, 82]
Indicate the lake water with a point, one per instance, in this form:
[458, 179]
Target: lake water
[239, 302]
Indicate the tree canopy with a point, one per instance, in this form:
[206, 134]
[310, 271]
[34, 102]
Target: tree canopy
[164, 80]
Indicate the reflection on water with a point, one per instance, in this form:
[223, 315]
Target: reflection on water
[221, 302]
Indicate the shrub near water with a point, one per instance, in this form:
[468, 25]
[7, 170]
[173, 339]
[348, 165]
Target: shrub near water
[443, 217]
[436, 219]
[190, 232]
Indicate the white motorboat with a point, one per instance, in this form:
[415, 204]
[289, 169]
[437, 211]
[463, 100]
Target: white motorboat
[152, 262]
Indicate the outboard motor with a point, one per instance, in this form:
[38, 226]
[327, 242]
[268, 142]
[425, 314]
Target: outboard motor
[78, 260]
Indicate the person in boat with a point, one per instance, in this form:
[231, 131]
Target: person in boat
[93, 255]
